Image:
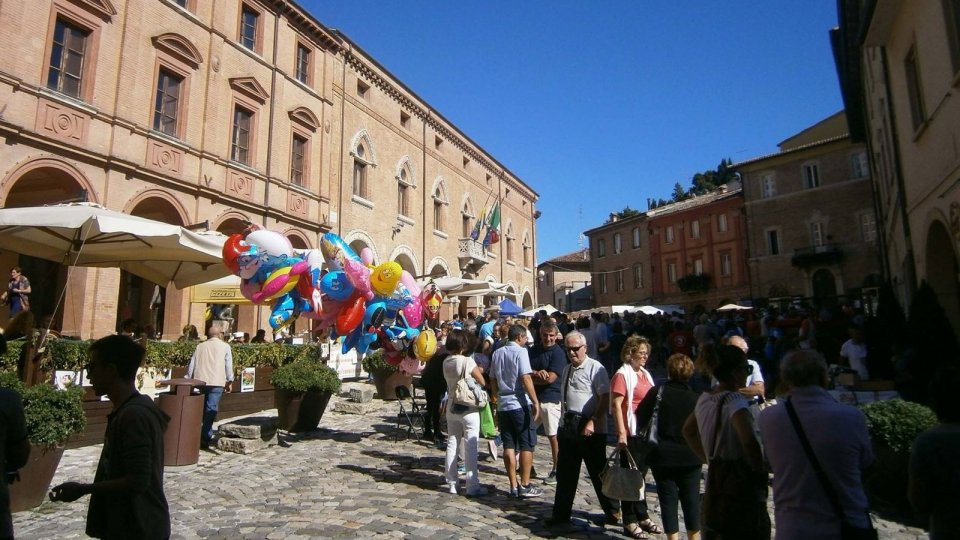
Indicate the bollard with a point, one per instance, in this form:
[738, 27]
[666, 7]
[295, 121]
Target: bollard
[181, 440]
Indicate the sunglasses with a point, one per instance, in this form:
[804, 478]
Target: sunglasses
[573, 349]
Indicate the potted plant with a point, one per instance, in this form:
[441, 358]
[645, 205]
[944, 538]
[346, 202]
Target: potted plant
[303, 390]
[51, 416]
[386, 377]
[893, 426]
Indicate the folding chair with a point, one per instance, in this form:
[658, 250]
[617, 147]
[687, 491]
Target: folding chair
[410, 414]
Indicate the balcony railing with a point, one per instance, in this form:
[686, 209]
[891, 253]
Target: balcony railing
[472, 254]
[817, 255]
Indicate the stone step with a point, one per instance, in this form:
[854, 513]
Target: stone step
[253, 427]
[351, 407]
[245, 446]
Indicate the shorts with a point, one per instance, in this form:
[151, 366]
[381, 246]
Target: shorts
[517, 429]
[549, 418]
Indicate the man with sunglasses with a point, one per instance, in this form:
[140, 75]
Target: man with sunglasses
[584, 395]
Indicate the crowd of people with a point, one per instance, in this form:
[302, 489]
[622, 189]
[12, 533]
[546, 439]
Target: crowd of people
[745, 395]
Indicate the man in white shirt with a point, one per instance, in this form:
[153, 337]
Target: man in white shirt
[212, 363]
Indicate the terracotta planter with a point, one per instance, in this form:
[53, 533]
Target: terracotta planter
[300, 411]
[386, 383]
[35, 478]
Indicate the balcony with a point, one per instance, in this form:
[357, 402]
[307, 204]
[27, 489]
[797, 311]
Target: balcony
[694, 283]
[817, 256]
[472, 255]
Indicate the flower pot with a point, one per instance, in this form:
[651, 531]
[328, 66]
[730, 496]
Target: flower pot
[35, 478]
[300, 411]
[886, 484]
[387, 382]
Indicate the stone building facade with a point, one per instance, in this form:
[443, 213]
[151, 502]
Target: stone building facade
[565, 283]
[899, 63]
[219, 114]
[620, 251]
[811, 224]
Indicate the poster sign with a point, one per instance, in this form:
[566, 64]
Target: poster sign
[248, 379]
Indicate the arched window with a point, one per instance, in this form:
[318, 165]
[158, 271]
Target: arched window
[363, 159]
[510, 241]
[527, 250]
[405, 185]
[439, 201]
[636, 237]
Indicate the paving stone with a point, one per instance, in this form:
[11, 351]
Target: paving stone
[361, 395]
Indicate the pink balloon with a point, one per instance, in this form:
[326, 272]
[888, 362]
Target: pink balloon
[249, 289]
[407, 279]
[411, 366]
[366, 256]
[359, 276]
[413, 312]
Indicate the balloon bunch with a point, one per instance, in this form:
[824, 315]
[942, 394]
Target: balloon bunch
[273, 273]
[370, 306]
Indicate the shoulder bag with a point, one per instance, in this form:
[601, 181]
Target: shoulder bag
[847, 531]
[622, 483]
[735, 499]
[649, 439]
[465, 394]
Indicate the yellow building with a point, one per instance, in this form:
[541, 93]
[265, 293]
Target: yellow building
[217, 114]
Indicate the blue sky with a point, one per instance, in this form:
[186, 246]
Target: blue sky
[599, 105]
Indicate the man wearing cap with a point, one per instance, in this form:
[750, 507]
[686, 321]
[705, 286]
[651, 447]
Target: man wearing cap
[212, 363]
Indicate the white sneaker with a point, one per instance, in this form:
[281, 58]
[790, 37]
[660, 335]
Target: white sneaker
[452, 488]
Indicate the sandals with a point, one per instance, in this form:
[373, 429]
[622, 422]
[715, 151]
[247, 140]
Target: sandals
[634, 530]
[649, 526]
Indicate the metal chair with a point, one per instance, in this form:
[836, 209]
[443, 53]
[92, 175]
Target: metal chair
[410, 414]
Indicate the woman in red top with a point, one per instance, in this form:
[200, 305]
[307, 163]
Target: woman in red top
[632, 380]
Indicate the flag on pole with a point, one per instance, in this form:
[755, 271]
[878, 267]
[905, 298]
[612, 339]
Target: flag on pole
[493, 226]
[475, 233]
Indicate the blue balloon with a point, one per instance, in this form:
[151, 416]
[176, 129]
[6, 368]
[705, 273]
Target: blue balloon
[335, 250]
[336, 285]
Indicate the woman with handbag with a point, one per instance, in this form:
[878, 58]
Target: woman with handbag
[721, 432]
[676, 468]
[463, 412]
[627, 389]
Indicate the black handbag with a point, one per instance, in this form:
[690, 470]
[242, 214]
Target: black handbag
[649, 439]
[847, 531]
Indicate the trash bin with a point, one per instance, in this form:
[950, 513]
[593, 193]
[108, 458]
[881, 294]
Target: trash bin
[181, 441]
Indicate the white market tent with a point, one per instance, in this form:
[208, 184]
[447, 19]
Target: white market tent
[533, 311]
[733, 307]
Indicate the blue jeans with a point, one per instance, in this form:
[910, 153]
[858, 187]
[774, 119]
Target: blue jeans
[211, 403]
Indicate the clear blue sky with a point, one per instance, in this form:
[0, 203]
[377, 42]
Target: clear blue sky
[602, 104]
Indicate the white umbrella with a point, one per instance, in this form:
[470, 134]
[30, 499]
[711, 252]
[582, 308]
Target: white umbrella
[733, 307]
[87, 234]
[533, 311]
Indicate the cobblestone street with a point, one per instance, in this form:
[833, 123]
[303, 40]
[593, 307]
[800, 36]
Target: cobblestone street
[350, 479]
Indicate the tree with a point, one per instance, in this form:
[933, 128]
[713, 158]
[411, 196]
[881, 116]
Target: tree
[679, 193]
[625, 213]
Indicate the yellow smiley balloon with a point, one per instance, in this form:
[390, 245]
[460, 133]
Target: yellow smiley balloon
[384, 278]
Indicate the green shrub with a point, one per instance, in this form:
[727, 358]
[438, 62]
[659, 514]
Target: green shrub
[897, 422]
[52, 415]
[305, 375]
[375, 361]
[8, 360]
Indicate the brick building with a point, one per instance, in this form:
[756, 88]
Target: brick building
[810, 217]
[620, 252]
[697, 250]
[223, 113]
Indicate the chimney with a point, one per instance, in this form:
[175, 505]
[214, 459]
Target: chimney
[613, 217]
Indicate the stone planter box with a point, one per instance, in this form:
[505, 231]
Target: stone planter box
[386, 383]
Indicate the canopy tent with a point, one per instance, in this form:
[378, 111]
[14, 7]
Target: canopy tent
[657, 309]
[733, 307]
[509, 307]
[533, 311]
[87, 234]
[455, 286]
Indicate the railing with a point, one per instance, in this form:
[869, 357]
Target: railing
[817, 255]
[471, 253]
